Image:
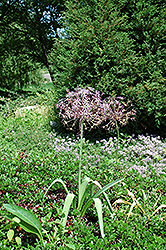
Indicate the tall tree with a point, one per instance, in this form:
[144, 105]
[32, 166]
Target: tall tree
[28, 28]
[118, 47]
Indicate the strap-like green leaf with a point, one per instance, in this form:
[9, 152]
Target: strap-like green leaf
[56, 180]
[108, 203]
[82, 190]
[29, 228]
[85, 195]
[98, 206]
[86, 206]
[66, 208]
[106, 187]
[102, 190]
[28, 222]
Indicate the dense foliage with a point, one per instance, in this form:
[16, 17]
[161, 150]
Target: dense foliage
[117, 47]
[31, 157]
[27, 29]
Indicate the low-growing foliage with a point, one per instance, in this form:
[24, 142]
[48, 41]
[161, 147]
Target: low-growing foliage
[141, 206]
[29, 164]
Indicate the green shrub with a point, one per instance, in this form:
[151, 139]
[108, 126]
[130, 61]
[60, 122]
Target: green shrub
[117, 48]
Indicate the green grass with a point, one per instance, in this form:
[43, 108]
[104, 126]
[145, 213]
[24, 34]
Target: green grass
[32, 156]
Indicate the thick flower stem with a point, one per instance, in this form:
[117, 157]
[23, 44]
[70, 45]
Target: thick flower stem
[80, 156]
[117, 145]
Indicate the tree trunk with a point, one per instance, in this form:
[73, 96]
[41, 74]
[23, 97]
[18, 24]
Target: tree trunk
[47, 64]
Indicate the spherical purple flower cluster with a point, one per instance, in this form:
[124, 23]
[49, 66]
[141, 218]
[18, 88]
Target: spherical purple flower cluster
[116, 111]
[81, 105]
[86, 105]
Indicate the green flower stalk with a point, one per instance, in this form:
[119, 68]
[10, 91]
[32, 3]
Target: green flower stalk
[86, 107]
[80, 156]
[117, 113]
[82, 106]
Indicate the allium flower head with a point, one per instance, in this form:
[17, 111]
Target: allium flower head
[85, 105]
[116, 111]
[81, 105]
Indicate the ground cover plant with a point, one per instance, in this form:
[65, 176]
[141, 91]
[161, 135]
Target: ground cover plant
[39, 156]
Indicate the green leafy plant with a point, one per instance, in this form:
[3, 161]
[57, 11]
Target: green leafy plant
[134, 202]
[85, 108]
[10, 236]
[25, 219]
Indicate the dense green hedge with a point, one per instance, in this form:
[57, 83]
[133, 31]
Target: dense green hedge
[116, 47]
